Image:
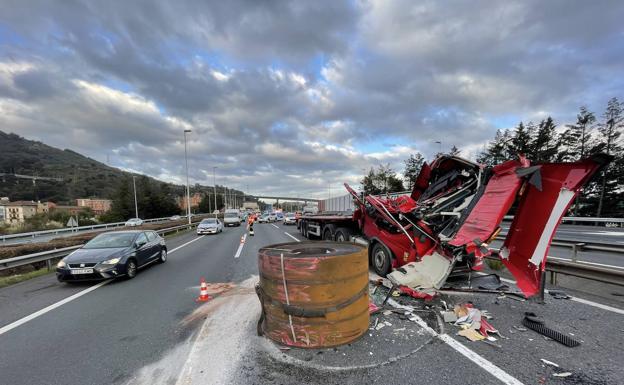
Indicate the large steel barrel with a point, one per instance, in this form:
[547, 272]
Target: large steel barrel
[313, 294]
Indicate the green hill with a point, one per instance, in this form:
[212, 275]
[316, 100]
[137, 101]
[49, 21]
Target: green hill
[82, 177]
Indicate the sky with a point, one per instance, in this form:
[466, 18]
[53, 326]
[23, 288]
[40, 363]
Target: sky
[295, 98]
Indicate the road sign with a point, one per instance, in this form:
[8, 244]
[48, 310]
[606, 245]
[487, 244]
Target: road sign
[72, 222]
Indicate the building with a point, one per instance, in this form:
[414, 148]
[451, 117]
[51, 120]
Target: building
[17, 212]
[44, 207]
[98, 206]
[72, 210]
[195, 199]
[251, 206]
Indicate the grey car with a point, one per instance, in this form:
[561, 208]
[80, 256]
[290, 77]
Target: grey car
[209, 226]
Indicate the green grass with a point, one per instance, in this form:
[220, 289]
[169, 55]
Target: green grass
[494, 264]
[17, 278]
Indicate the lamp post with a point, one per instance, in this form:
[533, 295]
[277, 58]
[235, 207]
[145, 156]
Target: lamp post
[188, 190]
[214, 185]
[136, 207]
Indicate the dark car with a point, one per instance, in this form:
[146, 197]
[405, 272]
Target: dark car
[113, 254]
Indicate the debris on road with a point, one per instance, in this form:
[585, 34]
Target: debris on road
[537, 324]
[562, 374]
[549, 363]
[558, 294]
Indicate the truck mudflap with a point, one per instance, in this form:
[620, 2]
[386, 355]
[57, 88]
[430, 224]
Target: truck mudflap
[551, 190]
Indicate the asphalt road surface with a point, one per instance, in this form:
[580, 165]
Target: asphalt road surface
[150, 330]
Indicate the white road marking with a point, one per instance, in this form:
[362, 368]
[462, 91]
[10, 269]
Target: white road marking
[36, 314]
[62, 302]
[181, 246]
[576, 299]
[240, 247]
[486, 365]
[277, 227]
[292, 237]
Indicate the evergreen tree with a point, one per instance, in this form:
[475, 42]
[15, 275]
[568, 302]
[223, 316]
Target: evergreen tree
[521, 141]
[382, 181]
[544, 145]
[413, 165]
[577, 138]
[498, 150]
[455, 151]
[612, 176]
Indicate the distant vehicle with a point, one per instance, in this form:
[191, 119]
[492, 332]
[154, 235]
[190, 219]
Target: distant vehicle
[272, 217]
[289, 219]
[175, 218]
[264, 218]
[132, 222]
[232, 217]
[280, 216]
[111, 255]
[310, 209]
[209, 226]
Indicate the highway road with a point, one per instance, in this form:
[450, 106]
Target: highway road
[149, 330]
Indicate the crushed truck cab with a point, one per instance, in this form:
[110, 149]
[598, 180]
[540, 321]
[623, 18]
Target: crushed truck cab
[455, 210]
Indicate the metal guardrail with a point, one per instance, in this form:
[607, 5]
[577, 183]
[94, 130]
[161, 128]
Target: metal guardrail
[58, 253]
[581, 219]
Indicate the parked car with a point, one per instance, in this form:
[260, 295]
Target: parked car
[111, 255]
[232, 217]
[264, 218]
[209, 226]
[272, 217]
[132, 222]
[289, 219]
[175, 218]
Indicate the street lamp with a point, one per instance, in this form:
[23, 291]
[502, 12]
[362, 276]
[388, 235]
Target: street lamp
[214, 185]
[136, 207]
[188, 190]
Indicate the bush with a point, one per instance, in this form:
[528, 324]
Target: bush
[495, 264]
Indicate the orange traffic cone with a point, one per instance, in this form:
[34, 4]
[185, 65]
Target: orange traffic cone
[203, 291]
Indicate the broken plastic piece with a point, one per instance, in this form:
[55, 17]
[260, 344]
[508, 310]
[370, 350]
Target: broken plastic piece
[535, 323]
[471, 334]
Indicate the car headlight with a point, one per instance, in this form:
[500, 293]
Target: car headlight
[61, 264]
[112, 261]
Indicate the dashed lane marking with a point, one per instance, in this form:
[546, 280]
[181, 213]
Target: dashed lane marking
[277, 227]
[292, 237]
[240, 247]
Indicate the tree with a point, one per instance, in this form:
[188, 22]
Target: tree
[382, 181]
[575, 141]
[455, 151]
[498, 150]
[544, 146]
[521, 140]
[609, 132]
[413, 164]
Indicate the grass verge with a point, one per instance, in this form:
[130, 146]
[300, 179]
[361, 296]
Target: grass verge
[17, 278]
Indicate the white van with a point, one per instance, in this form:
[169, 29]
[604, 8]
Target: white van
[232, 217]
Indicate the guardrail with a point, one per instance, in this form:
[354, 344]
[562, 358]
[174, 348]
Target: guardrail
[49, 255]
[103, 226]
[582, 219]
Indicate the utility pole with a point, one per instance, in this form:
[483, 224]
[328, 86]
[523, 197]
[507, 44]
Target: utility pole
[136, 207]
[214, 185]
[188, 189]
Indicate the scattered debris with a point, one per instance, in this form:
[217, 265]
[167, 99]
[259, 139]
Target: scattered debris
[471, 334]
[562, 374]
[550, 363]
[535, 323]
[520, 328]
[449, 316]
[558, 294]
[372, 308]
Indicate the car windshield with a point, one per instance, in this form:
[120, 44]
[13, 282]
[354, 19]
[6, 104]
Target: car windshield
[110, 240]
[290, 215]
[208, 221]
[231, 215]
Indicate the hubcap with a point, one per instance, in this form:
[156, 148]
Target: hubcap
[379, 258]
[163, 255]
[131, 269]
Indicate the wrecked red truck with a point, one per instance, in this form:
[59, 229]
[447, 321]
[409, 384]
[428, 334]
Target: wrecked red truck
[453, 213]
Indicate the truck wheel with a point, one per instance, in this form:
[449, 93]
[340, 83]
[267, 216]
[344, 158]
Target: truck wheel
[342, 234]
[381, 259]
[328, 233]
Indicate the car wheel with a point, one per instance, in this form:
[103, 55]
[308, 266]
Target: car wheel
[381, 259]
[131, 269]
[163, 256]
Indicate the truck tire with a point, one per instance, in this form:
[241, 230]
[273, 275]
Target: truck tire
[328, 232]
[342, 234]
[381, 259]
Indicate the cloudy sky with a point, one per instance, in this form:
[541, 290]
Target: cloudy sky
[296, 97]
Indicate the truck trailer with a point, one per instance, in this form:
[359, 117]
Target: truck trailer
[446, 223]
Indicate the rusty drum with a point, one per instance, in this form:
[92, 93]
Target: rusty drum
[313, 294]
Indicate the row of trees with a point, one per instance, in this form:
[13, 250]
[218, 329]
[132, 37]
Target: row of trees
[543, 142]
[590, 134]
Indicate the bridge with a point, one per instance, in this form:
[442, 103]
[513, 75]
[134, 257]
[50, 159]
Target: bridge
[278, 198]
